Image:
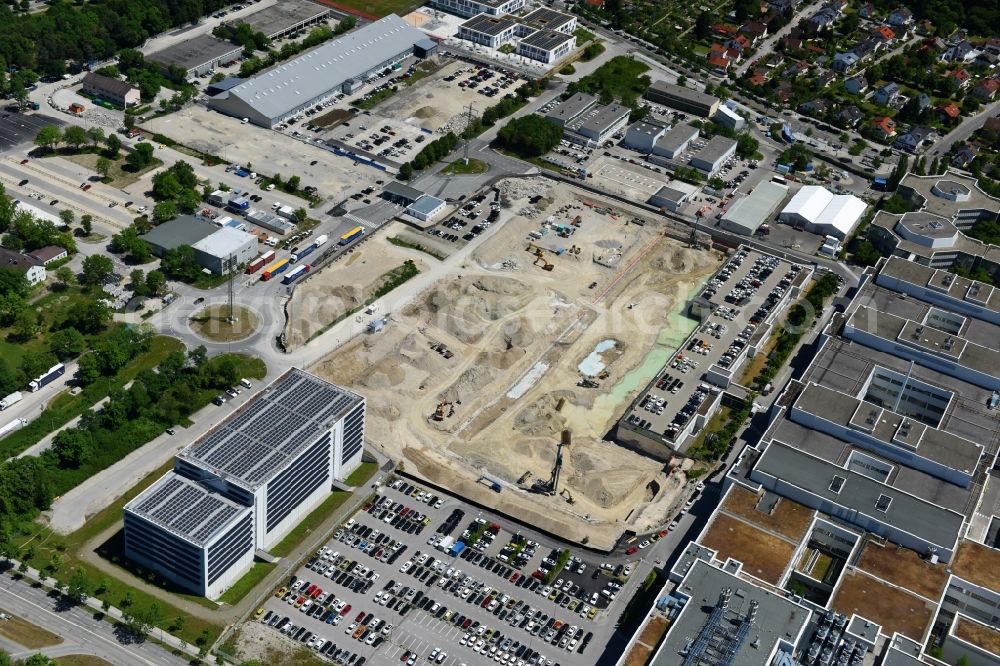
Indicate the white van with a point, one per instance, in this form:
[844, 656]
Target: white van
[246, 383]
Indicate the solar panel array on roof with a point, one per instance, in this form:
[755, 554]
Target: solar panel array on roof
[252, 444]
[186, 507]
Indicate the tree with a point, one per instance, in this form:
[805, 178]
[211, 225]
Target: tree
[75, 136]
[26, 324]
[703, 26]
[406, 171]
[48, 137]
[65, 276]
[114, 145]
[164, 211]
[87, 316]
[300, 215]
[87, 222]
[13, 281]
[67, 216]
[96, 135]
[156, 282]
[67, 343]
[293, 184]
[141, 156]
[96, 268]
[529, 136]
[103, 167]
[79, 586]
[71, 447]
[88, 369]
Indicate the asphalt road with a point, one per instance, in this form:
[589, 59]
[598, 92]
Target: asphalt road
[81, 633]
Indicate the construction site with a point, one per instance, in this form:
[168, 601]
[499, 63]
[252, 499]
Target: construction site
[502, 377]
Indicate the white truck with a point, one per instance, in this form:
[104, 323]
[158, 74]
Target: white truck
[321, 240]
[11, 399]
[13, 426]
[446, 543]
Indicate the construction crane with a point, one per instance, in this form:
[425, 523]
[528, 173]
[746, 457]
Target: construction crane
[551, 486]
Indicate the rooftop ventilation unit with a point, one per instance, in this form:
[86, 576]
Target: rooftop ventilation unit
[882, 503]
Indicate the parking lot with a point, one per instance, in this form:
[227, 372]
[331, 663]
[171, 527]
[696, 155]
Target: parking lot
[17, 128]
[416, 576]
[743, 294]
[389, 138]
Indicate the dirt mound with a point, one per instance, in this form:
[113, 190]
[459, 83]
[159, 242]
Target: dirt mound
[540, 418]
[384, 374]
[516, 333]
[425, 112]
[470, 384]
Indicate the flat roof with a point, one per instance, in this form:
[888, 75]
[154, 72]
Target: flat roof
[860, 494]
[286, 14]
[599, 118]
[954, 183]
[182, 230]
[426, 204]
[543, 17]
[947, 285]
[670, 194]
[677, 136]
[929, 225]
[280, 89]
[489, 25]
[757, 207]
[681, 92]
[254, 443]
[224, 242]
[547, 40]
[778, 620]
[570, 108]
[398, 189]
[717, 147]
[809, 202]
[194, 52]
[186, 508]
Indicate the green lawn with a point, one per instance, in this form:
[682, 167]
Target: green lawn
[310, 523]
[402, 242]
[379, 8]
[459, 167]
[250, 580]
[583, 36]
[360, 476]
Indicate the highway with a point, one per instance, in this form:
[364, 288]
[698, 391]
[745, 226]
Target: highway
[81, 633]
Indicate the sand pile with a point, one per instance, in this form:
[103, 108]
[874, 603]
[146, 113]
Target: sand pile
[540, 418]
[470, 384]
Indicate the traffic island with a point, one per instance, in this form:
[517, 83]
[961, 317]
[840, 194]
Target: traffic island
[215, 323]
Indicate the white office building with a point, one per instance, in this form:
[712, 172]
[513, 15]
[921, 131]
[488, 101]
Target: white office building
[473, 7]
[246, 483]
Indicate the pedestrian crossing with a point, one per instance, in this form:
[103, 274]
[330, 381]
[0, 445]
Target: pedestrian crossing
[360, 221]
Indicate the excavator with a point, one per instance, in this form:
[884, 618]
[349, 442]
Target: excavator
[540, 257]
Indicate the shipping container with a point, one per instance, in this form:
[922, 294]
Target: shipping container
[11, 399]
[57, 370]
[274, 269]
[259, 262]
[296, 273]
[351, 235]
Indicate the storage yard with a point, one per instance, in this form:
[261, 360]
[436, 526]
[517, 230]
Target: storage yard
[522, 341]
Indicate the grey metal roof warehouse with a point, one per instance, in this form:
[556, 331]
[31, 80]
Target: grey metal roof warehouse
[253, 443]
[747, 214]
[184, 230]
[192, 54]
[565, 111]
[284, 16]
[282, 90]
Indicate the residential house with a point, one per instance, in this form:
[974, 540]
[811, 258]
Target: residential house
[797, 69]
[758, 78]
[755, 31]
[784, 91]
[822, 21]
[901, 17]
[961, 51]
[867, 10]
[845, 62]
[887, 94]
[33, 269]
[884, 34]
[986, 59]
[923, 101]
[856, 85]
[948, 113]
[774, 60]
[885, 128]
[992, 124]
[867, 47]
[837, 5]
[781, 6]
[851, 116]
[961, 77]
[992, 45]
[792, 43]
[913, 139]
[740, 43]
[986, 90]
[48, 254]
[824, 79]
[965, 155]
[724, 29]
[816, 107]
[719, 64]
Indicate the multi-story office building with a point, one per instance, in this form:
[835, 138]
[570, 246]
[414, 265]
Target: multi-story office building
[470, 8]
[870, 500]
[245, 484]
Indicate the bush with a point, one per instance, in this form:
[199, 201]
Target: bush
[567, 70]
[529, 136]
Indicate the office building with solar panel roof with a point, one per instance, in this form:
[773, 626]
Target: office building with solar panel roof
[246, 483]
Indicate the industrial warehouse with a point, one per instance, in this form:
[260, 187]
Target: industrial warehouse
[217, 250]
[343, 64]
[245, 484]
[819, 211]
